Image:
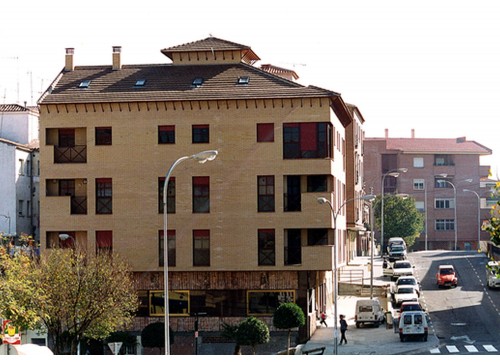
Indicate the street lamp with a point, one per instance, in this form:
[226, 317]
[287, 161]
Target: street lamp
[322, 200]
[478, 215]
[201, 157]
[455, 226]
[393, 173]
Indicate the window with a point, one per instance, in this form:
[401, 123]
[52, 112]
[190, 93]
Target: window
[244, 80]
[140, 83]
[420, 205]
[307, 140]
[444, 203]
[201, 194]
[266, 302]
[443, 160]
[201, 247]
[66, 187]
[197, 82]
[267, 247]
[445, 224]
[21, 166]
[265, 132]
[200, 133]
[178, 303]
[170, 195]
[166, 135]
[84, 84]
[292, 247]
[442, 183]
[20, 207]
[418, 184]
[104, 242]
[171, 248]
[104, 193]
[265, 198]
[317, 183]
[103, 136]
[66, 137]
[418, 162]
[317, 237]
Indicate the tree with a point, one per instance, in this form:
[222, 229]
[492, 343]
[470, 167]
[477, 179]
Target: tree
[68, 292]
[401, 218]
[153, 336]
[288, 316]
[251, 332]
[493, 224]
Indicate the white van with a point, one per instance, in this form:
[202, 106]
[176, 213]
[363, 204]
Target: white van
[369, 311]
[413, 324]
[395, 241]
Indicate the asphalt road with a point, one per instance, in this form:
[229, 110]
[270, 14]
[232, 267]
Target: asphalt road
[465, 319]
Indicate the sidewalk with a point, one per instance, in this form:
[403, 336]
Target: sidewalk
[365, 340]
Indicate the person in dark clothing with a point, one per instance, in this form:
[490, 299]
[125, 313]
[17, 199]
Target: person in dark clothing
[343, 329]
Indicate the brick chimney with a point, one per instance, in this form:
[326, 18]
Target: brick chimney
[412, 133]
[386, 133]
[68, 65]
[117, 50]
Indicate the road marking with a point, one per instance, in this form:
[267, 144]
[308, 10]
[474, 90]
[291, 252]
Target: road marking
[452, 349]
[435, 351]
[472, 349]
[489, 348]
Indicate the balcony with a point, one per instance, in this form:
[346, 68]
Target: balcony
[75, 154]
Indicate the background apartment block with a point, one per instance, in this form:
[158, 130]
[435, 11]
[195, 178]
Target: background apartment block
[245, 231]
[19, 163]
[439, 170]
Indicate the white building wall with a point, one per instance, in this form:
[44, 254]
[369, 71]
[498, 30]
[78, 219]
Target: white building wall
[20, 127]
[7, 187]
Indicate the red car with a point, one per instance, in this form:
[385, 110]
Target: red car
[446, 276]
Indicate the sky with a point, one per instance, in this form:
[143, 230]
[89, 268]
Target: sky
[431, 66]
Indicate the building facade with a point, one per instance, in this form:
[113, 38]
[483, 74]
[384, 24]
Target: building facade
[445, 178]
[245, 231]
[19, 162]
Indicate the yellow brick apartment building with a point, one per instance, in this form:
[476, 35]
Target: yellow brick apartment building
[245, 231]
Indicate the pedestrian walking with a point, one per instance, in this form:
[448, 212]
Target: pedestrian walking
[323, 319]
[343, 329]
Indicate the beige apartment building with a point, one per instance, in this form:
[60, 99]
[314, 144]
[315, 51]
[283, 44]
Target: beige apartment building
[245, 231]
[446, 179]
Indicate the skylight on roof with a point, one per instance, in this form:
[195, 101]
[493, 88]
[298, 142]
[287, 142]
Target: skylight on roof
[197, 82]
[84, 84]
[244, 80]
[140, 82]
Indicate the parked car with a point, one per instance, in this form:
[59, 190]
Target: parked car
[395, 241]
[413, 325]
[446, 276]
[410, 307]
[406, 280]
[405, 293]
[369, 311]
[400, 268]
[397, 252]
[493, 274]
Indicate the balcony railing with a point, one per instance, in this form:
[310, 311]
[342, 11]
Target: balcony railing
[75, 154]
[79, 205]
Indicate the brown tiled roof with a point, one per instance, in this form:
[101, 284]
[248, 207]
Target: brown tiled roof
[211, 44]
[435, 145]
[167, 82]
[16, 108]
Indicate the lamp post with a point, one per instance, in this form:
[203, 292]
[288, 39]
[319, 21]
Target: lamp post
[455, 226]
[322, 200]
[201, 157]
[478, 215]
[393, 173]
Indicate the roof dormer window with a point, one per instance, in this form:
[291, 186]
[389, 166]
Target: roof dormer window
[244, 80]
[140, 83]
[84, 84]
[197, 82]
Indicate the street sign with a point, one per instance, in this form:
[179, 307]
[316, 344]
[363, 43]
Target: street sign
[115, 347]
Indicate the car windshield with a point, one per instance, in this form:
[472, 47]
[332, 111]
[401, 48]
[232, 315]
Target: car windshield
[405, 290]
[402, 265]
[406, 282]
[397, 248]
[446, 271]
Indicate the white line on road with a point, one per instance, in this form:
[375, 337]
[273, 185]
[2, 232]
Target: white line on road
[452, 349]
[489, 348]
[471, 348]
